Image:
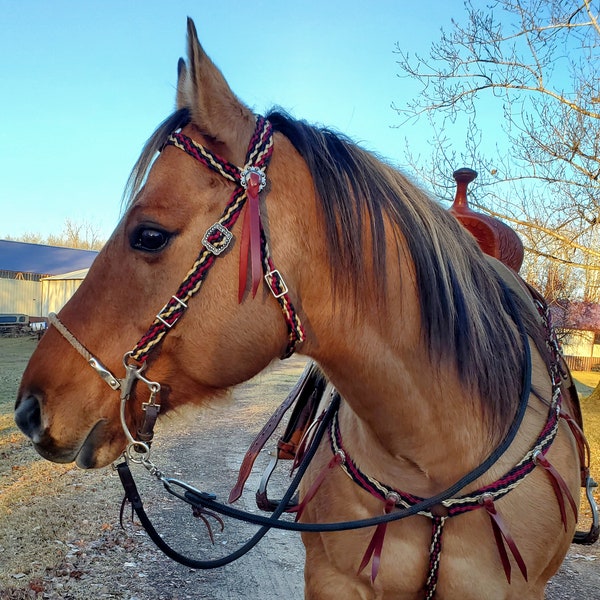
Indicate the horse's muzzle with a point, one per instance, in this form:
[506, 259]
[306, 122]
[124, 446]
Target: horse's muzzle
[28, 417]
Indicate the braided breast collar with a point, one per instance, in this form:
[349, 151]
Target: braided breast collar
[484, 497]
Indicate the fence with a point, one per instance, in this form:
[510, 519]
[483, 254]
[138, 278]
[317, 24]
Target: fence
[583, 363]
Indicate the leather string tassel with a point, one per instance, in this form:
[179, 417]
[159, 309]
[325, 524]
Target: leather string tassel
[250, 244]
[376, 544]
[502, 535]
[338, 459]
[558, 485]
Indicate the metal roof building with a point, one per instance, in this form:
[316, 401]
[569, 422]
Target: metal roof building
[25, 271]
[41, 260]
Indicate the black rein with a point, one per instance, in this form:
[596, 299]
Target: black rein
[206, 501]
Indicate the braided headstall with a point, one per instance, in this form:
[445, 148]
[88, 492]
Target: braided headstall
[250, 180]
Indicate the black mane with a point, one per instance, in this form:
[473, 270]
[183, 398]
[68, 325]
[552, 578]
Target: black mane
[464, 309]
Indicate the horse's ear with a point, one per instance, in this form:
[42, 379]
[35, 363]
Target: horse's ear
[215, 108]
[182, 85]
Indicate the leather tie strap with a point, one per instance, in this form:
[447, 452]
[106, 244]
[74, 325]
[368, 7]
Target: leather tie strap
[558, 485]
[145, 432]
[337, 459]
[251, 234]
[502, 534]
[376, 544]
[583, 446]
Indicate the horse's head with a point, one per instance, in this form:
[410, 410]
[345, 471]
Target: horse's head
[64, 406]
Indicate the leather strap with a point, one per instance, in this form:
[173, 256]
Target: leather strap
[250, 243]
[200, 500]
[133, 496]
[501, 533]
[559, 486]
[146, 432]
[376, 544]
[305, 383]
[294, 443]
[583, 446]
[337, 459]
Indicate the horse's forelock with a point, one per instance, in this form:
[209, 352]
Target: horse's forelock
[150, 150]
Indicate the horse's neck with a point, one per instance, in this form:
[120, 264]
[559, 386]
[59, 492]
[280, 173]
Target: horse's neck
[408, 416]
[407, 413]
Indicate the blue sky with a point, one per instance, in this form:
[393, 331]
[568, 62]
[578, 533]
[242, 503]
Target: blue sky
[85, 83]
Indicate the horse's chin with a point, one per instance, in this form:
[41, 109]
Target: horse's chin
[92, 453]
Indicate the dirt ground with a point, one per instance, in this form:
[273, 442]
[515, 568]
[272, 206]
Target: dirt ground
[59, 527]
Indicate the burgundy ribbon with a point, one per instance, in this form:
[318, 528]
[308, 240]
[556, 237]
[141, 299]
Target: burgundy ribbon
[337, 459]
[376, 544]
[558, 484]
[250, 244]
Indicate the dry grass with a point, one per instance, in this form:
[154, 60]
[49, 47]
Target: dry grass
[590, 407]
[14, 354]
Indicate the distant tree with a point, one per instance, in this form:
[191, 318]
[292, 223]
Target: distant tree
[81, 235]
[533, 64]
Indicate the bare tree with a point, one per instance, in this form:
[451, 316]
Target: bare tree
[517, 83]
[81, 235]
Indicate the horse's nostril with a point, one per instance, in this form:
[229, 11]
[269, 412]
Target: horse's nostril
[28, 416]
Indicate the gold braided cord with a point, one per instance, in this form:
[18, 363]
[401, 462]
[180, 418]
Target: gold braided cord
[210, 158]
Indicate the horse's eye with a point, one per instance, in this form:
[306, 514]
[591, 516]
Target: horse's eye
[149, 239]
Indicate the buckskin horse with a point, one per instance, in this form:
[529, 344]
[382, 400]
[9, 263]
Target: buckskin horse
[456, 436]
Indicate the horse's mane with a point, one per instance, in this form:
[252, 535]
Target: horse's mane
[464, 308]
[464, 311]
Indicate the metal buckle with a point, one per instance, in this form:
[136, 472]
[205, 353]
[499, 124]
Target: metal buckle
[169, 325]
[104, 373]
[247, 171]
[225, 240]
[270, 278]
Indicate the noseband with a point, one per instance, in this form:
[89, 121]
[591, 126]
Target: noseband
[250, 181]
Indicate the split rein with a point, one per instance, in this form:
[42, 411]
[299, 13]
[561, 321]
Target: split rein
[254, 247]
